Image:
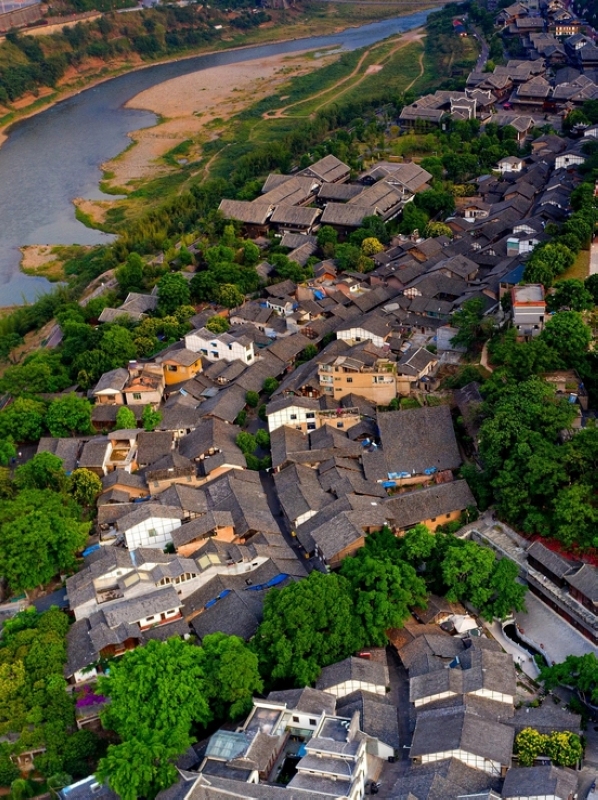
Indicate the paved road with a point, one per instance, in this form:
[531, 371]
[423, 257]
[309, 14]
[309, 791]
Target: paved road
[552, 634]
[594, 258]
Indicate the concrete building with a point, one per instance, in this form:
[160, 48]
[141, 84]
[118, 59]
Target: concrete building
[529, 309]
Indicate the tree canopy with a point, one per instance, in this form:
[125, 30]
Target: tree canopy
[307, 625]
[155, 697]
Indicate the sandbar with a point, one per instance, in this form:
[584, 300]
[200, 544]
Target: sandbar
[196, 106]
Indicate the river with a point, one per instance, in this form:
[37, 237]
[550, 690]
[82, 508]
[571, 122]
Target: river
[55, 156]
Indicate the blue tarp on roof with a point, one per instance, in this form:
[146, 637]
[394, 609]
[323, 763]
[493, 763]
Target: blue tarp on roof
[269, 584]
[222, 594]
[515, 276]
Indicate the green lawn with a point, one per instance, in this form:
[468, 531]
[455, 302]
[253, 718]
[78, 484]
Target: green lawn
[580, 268]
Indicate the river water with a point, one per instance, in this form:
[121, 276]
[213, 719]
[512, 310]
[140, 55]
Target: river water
[55, 156]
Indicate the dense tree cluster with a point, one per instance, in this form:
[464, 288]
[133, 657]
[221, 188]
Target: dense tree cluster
[40, 520]
[563, 748]
[160, 695]
[28, 62]
[578, 672]
[312, 624]
[34, 704]
[540, 477]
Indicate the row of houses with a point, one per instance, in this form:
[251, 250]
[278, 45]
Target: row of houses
[453, 707]
[559, 72]
[320, 195]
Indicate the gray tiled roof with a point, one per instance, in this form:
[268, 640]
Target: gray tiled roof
[310, 701]
[353, 669]
[549, 781]
[554, 562]
[147, 605]
[443, 730]
[585, 580]
[437, 500]
[378, 717]
[152, 445]
[449, 779]
[146, 511]
[417, 439]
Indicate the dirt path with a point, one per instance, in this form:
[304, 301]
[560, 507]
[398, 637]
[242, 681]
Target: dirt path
[406, 39]
[421, 72]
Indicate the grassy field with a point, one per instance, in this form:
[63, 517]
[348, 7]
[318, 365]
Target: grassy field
[580, 269]
[274, 118]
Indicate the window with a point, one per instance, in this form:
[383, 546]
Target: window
[349, 380]
[447, 516]
[312, 722]
[340, 424]
[311, 426]
[152, 532]
[172, 368]
[136, 395]
[310, 415]
[295, 719]
[293, 416]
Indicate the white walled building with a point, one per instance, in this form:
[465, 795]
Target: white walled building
[220, 347]
[150, 525]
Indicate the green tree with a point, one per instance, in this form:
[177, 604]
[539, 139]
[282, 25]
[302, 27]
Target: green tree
[563, 748]
[251, 253]
[347, 256]
[125, 419]
[307, 625]
[38, 545]
[246, 442]
[371, 246]
[7, 452]
[383, 593]
[327, 240]
[591, 284]
[547, 262]
[252, 399]
[309, 352]
[117, 347]
[529, 744]
[270, 385]
[150, 418]
[568, 335]
[173, 292]
[575, 517]
[23, 420]
[8, 342]
[414, 219]
[229, 295]
[262, 438]
[217, 324]
[40, 372]
[69, 415]
[156, 694]
[571, 294]
[468, 321]
[130, 274]
[580, 672]
[231, 675]
[43, 471]
[507, 594]
[466, 571]
[84, 486]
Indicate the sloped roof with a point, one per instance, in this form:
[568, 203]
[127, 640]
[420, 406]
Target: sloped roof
[447, 729]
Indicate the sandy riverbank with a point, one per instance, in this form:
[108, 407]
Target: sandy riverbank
[195, 107]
